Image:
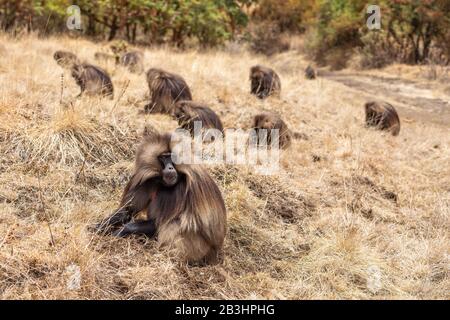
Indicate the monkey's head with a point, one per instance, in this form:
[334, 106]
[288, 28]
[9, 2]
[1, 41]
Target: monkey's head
[183, 111]
[373, 106]
[65, 59]
[154, 160]
[256, 73]
[77, 71]
[152, 76]
[266, 121]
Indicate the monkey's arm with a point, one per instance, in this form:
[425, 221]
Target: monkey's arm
[135, 199]
[147, 227]
[119, 217]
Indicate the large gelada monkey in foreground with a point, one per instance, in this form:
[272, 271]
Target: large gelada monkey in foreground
[185, 209]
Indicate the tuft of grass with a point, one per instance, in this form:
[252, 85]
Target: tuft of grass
[69, 137]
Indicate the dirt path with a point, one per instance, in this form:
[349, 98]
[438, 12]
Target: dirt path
[413, 100]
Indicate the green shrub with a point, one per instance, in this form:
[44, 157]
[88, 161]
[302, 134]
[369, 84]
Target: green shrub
[210, 22]
[287, 15]
[409, 30]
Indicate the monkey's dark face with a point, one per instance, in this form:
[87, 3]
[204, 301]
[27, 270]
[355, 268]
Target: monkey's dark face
[256, 76]
[169, 174]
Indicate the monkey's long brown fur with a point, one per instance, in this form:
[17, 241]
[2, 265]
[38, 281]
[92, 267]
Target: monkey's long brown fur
[269, 121]
[187, 112]
[383, 116]
[92, 80]
[264, 82]
[165, 90]
[189, 216]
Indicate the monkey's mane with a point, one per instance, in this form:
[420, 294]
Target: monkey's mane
[193, 199]
[198, 202]
[165, 88]
[197, 112]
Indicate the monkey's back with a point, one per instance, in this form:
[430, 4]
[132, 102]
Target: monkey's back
[93, 80]
[285, 135]
[65, 59]
[165, 90]
[383, 116]
[208, 118]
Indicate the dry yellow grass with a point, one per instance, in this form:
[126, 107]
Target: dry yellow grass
[353, 214]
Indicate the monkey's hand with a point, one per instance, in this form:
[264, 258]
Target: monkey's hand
[118, 218]
[145, 227]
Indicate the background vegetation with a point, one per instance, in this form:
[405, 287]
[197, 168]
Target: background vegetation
[412, 31]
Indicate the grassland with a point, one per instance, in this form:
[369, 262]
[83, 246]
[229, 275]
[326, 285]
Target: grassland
[353, 214]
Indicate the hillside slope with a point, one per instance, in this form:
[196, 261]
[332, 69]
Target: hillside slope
[354, 213]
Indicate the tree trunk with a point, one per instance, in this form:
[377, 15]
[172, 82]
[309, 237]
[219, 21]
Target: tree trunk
[134, 31]
[128, 31]
[91, 25]
[113, 29]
